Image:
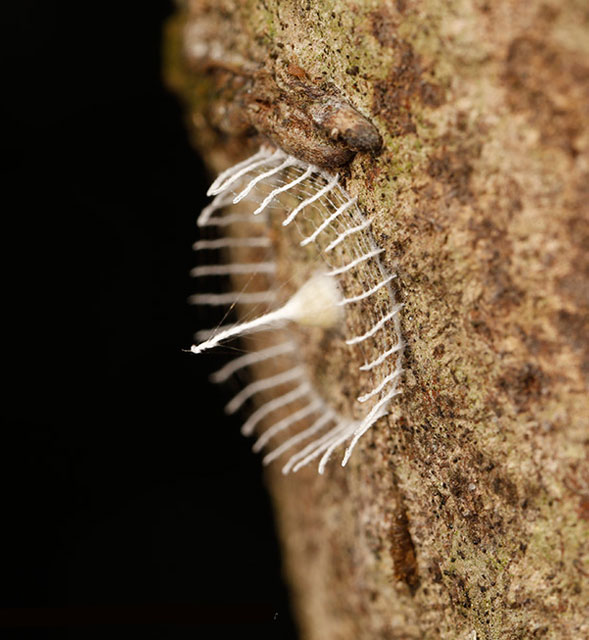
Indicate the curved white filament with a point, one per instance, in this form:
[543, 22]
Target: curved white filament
[223, 243]
[228, 269]
[368, 293]
[380, 387]
[247, 166]
[233, 297]
[305, 203]
[381, 358]
[376, 327]
[272, 405]
[346, 234]
[252, 358]
[328, 221]
[291, 419]
[284, 188]
[324, 419]
[267, 174]
[260, 385]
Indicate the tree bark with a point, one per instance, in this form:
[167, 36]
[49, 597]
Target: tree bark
[465, 512]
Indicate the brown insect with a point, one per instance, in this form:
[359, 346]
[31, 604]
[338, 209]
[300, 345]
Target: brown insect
[277, 100]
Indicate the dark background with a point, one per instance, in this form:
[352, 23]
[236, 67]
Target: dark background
[128, 499]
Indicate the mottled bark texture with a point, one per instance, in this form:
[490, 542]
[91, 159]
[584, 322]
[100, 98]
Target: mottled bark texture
[465, 513]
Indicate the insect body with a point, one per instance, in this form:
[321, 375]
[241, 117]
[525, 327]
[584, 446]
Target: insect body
[348, 293]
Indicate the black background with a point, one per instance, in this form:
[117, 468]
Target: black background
[128, 499]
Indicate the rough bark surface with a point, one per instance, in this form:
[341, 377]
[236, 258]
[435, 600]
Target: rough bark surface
[465, 513]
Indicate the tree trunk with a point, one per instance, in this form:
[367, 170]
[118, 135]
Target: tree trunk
[465, 512]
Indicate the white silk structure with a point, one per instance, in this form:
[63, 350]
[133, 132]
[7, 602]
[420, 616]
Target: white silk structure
[349, 290]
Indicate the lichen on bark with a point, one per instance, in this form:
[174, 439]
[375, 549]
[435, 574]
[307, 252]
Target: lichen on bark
[466, 511]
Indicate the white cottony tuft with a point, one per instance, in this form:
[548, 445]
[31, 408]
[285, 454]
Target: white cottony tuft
[315, 304]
